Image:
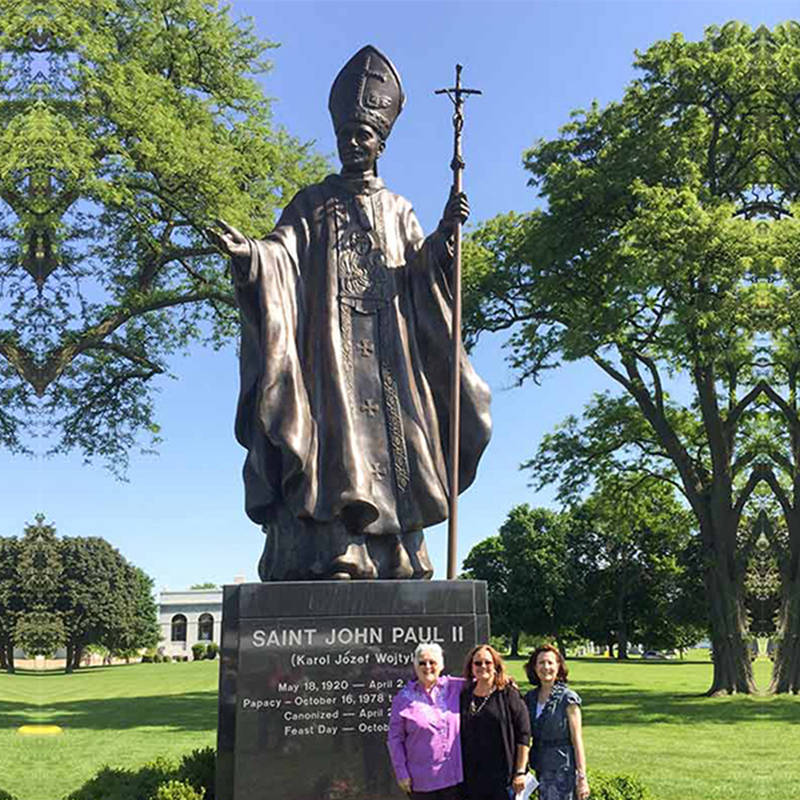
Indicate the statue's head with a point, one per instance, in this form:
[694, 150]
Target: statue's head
[366, 99]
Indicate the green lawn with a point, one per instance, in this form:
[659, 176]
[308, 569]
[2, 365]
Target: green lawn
[119, 716]
[645, 718]
[649, 718]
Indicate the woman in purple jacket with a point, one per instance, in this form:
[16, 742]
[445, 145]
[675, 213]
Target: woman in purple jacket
[424, 742]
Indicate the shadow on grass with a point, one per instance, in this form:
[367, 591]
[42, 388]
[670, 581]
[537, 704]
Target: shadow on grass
[13, 714]
[193, 711]
[630, 707]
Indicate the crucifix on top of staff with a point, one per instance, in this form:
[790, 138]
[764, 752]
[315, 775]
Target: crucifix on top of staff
[457, 95]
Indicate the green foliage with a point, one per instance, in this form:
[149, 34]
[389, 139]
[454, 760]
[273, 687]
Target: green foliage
[127, 128]
[763, 580]
[206, 585]
[666, 252]
[6, 796]
[177, 790]
[198, 769]
[629, 546]
[40, 632]
[605, 786]
[75, 592]
[143, 629]
[102, 598]
[124, 784]
[162, 779]
[212, 648]
[525, 567]
[11, 601]
[621, 566]
[198, 651]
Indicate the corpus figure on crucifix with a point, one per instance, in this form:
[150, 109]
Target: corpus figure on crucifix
[345, 360]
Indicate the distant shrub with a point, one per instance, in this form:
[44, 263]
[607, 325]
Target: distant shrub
[212, 648]
[147, 658]
[167, 659]
[177, 790]
[198, 651]
[617, 787]
[6, 796]
[157, 658]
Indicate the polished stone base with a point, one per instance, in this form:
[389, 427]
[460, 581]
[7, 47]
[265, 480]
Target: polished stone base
[308, 672]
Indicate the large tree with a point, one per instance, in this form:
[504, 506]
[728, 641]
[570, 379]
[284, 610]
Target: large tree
[137, 626]
[629, 543]
[98, 597]
[127, 127]
[71, 592]
[526, 568]
[655, 258]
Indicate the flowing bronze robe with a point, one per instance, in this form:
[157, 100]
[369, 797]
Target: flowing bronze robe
[345, 365]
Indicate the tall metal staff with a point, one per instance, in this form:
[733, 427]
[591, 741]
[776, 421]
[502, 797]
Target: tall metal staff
[457, 95]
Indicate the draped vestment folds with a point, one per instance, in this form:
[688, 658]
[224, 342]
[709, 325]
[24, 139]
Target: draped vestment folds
[345, 367]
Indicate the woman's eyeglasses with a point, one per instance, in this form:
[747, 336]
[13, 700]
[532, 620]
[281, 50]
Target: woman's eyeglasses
[426, 663]
[487, 663]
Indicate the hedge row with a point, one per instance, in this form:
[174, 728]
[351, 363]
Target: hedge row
[199, 652]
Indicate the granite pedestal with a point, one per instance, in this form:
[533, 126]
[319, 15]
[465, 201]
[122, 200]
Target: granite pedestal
[308, 673]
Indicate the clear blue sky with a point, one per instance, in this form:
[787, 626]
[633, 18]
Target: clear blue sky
[180, 516]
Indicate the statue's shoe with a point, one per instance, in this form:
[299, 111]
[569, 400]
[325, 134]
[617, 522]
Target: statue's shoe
[388, 553]
[417, 550]
[354, 564]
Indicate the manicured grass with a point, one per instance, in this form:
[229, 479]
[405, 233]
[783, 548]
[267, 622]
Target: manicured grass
[118, 716]
[650, 719]
[645, 718]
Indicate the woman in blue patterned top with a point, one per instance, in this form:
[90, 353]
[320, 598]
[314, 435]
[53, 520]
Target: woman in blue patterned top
[557, 755]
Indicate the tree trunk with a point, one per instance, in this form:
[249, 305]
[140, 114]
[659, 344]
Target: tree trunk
[610, 644]
[77, 656]
[561, 647]
[786, 669]
[621, 632]
[69, 660]
[8, 657]
[733, 671]
[622, 643]
[514, 646]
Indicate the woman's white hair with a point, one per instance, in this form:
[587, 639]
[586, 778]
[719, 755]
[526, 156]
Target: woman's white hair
[432, 648]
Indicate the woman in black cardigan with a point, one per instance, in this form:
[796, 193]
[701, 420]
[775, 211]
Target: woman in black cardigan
[495, 728]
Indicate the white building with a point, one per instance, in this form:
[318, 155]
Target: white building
[187, 617]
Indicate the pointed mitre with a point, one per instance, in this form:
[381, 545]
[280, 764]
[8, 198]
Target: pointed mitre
[367, 89]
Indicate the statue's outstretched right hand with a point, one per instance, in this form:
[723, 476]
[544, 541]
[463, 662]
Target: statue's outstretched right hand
[228, 239]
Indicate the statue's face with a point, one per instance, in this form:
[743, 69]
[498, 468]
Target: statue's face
[359, 147]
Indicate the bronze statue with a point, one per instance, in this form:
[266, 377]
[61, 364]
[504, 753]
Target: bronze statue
[345, 360]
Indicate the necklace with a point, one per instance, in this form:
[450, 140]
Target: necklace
[474, 708]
